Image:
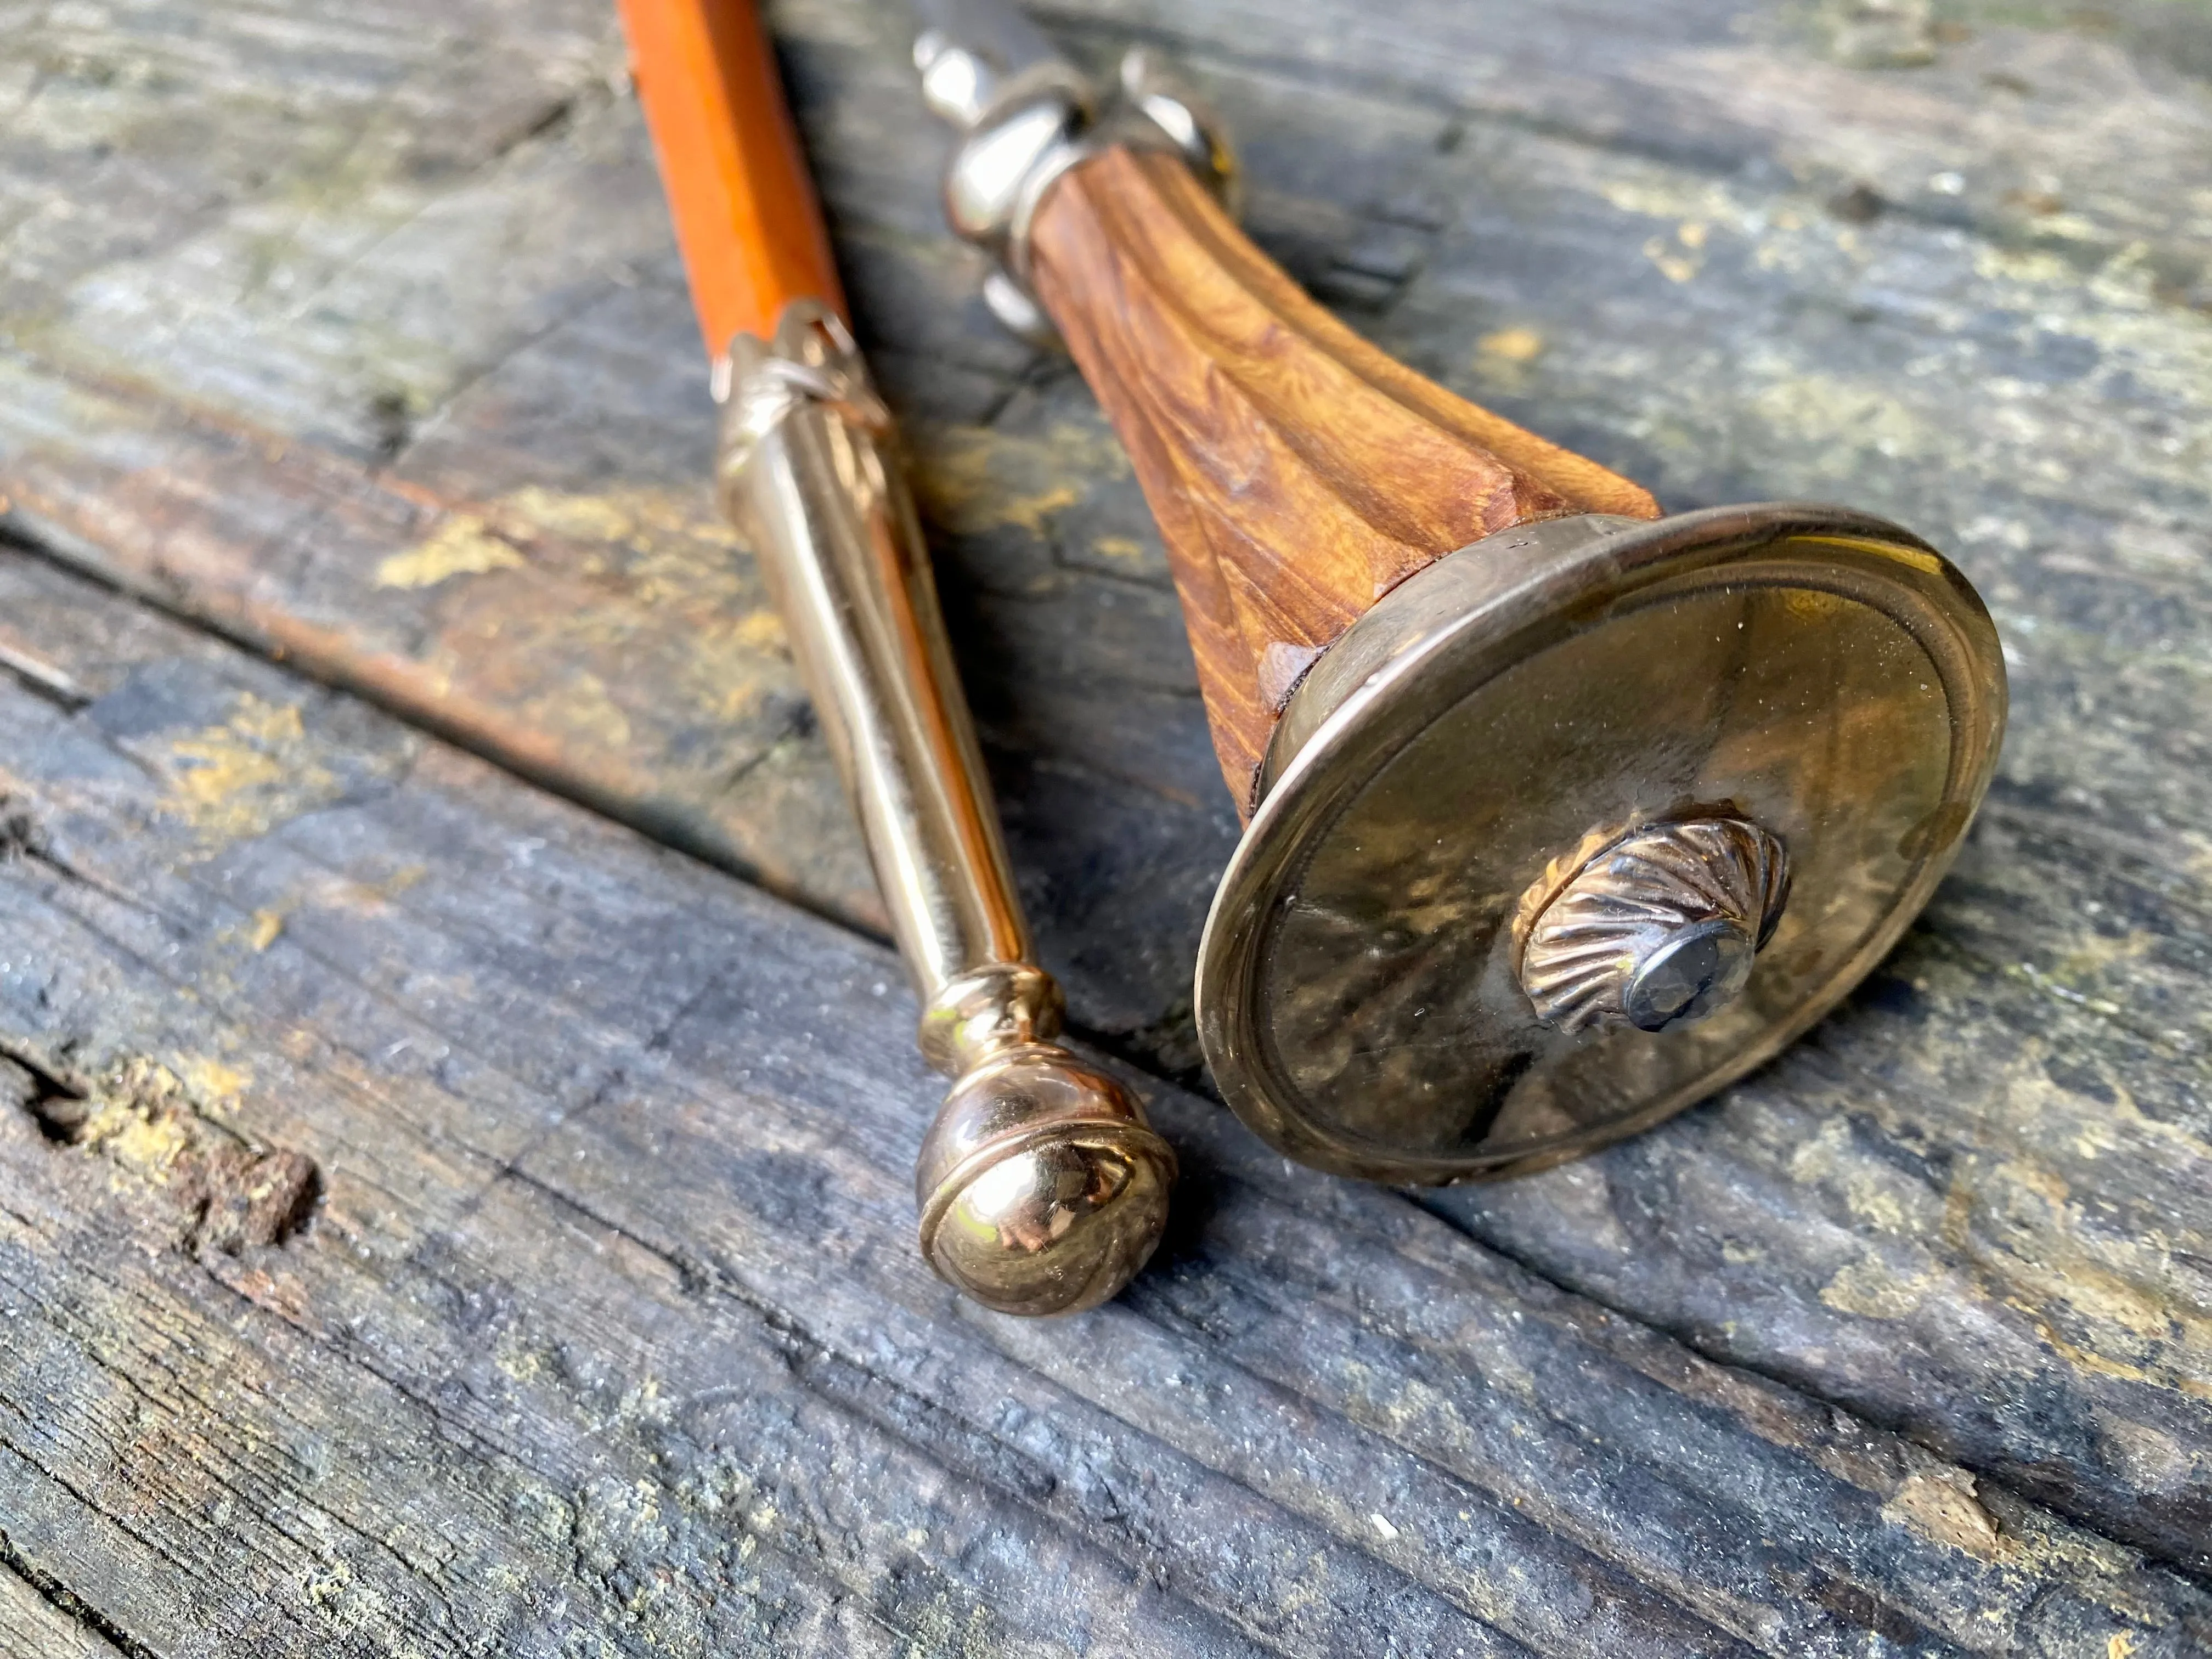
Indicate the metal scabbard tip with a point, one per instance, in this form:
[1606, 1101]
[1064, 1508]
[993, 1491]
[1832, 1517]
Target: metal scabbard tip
[1042, 1188]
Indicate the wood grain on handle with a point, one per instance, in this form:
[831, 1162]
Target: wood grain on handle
[1297, 473]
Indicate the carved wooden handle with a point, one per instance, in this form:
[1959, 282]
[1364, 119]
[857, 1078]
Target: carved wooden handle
[1297, 473]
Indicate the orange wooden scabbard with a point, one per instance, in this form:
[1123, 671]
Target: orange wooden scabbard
[746, 217]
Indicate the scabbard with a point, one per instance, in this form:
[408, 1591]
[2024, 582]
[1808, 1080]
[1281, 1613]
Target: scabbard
[1042, 1187]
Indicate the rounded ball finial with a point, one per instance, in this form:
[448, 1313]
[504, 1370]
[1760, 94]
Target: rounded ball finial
[1658, 929]
[1042, 1188]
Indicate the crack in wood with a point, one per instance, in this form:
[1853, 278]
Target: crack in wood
[67, 1603]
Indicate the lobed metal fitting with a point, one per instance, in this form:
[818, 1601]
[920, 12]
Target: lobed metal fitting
[1029, 117]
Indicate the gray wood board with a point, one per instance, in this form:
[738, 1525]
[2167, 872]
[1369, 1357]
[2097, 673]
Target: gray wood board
[290, 299]
[589, 1320]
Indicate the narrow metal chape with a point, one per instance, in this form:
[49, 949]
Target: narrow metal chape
[1041, 1187]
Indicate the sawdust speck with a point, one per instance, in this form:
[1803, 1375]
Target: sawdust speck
[1515, 345]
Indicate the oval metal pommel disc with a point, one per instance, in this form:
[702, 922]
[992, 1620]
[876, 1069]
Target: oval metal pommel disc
[1583, 822]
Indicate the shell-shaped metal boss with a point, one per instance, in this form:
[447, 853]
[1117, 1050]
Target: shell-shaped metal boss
[1658, 929]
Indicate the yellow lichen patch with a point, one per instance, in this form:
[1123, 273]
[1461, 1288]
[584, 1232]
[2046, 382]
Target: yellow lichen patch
[586, 517]
[213, 1083]
[520, 1361]
[975, 479]
[1994, 263]
[258, 932]
[1940, 1504]
[1120, 549]
[2114, 1283]
[463, 546]
[663, 544]
[141, 1140]
[761, 630]
[331, 891]
[157, 1129]
[690, 514]
[2141, 1310]
[1515, 345]
[591, 712]
[1660, 193]
[1871, 1290]
[2198, 1388]
[656, 547]
[241, 778]
[2114, 1305]
[2096, 954]
[372, 896]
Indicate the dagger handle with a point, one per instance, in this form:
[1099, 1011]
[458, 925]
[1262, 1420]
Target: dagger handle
[1297, 473]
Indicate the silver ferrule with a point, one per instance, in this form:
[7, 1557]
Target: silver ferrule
[1027, 117]
[979, 58]
[807, 473]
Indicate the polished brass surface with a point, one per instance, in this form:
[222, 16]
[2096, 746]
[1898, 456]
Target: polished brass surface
[1043, 1188]
[1819, 674]
[1656, 929]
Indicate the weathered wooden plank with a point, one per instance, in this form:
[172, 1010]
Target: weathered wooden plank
[1972, 1209]
[606, 1326]
[31, 1626]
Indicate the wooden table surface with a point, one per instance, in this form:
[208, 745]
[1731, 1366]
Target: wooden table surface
[456, 1114]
